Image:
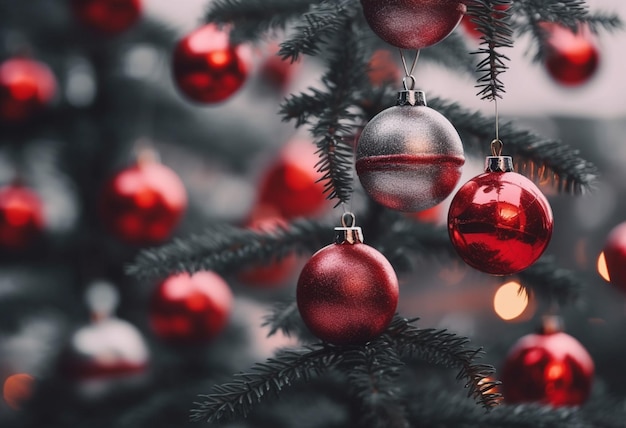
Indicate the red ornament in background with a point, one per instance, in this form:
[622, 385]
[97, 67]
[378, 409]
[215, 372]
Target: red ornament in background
[107, 16]
[615, 255]
[143, 204]
[500, 222]
[470, 27]
[550, 368]
[26, 86]
[207, 68]
[277, 71]
[190, 309]
[21, 217]
[409, 156]
[291, 185]
[413, 24]
[347, 292]
[571, 58]
[382, 68]
[273, 273]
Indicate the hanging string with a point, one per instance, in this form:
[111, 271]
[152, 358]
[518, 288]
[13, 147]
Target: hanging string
[496, 144]
[408, 73]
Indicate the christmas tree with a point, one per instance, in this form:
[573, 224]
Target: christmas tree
[275, 203]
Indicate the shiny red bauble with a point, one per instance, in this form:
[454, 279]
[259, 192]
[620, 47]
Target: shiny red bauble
[107, 16]
[207, 68]
[500, 222]
[409, 157]
[143, 204]
[347, 294]
[615, 255]
[553, 369]
[190, 309]
[413, 24]
[571, 58]
[291, 185]
[26, 86]
[21, 217]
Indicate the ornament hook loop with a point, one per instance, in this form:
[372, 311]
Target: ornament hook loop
[496, 147]
[406, 86]
[348, 233]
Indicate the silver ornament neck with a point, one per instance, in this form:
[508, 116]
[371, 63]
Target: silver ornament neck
[411, 97]
[551, 324]
[348, 233]
[499, 164]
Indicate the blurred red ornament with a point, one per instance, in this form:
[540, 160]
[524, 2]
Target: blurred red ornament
[470, 27]
[143, 204]
[500, 222]
[413, 24]
[551, 368]
[277, 71]
[409, 156]
[18, 389]
[382, 68]
[291, 184]
[207, 68]
[190, 309]
[571, 58]
[431, 215]
[26, 86]
[21, 217]
[615, 256]
[108, 347]
[107, 16]
[347, 292]
[274, 273]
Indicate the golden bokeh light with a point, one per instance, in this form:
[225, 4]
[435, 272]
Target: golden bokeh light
[509, 301]
[602, 268]
[18, 389]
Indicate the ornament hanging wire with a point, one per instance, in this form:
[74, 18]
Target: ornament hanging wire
[408, 73]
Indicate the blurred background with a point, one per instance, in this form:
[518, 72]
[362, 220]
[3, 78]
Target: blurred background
[116, 105]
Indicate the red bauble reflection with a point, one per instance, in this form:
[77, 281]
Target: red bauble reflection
[274, 273]
[382, 68]
[190, 309]
[26, 86]
[552, 369]
[143, 204]
[207, 68]
[615, 255]
[571, 58]
[107, 16]
[21, 217]
[347, 293]
[277, 71]
[291, 184]
[500, 223]
[470, 27]
[413, 24]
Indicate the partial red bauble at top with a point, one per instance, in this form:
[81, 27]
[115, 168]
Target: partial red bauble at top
[26, 86]
[615, 255]
[571, 58]
[21, 217]
[553, 369]
[413, 24]
[470, 27]
[500, 222]
[190, 309]
[143, 204]
[207, 68]
[107, 16]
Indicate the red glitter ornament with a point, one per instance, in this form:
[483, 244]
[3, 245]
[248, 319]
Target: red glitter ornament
[274, 273]
[26, 86]
[347, 292]
[413, 24]
[190, 309]
[143, 204]
[291, 185]
[21, 217]
[207, 68]
[107, 16]
[499, 222]
[615, 255]
[550, 368]
[571, 58]
[409, 156]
